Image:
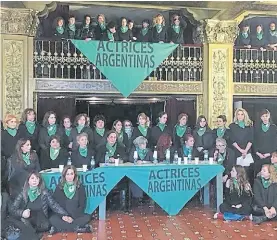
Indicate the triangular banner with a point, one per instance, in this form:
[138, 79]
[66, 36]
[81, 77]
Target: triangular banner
[125, 64]
[165, 183]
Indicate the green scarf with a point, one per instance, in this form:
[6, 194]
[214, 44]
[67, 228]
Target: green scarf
[12, 131]
[142, 153]
[220, 132]
[80, 128]
[265, 127]
[201, 131]
[102, 26]
[144, 31]
[221, 157]
[176, 28]
[67, 131]
[69, 190]
[72, 27]
[51, 129]
[159, 27]
[120, 137]
[26, 158]
[123, 29]
[244, 35]
[83, 151]
[273, 33]
[110, 36]
[241, 124]
[60, 30]
[266, 182]
[54, 153]
[259, 35]
[33, 193]
[180, 130]
[143, 130]
[161, 126]
[31, 126]
[275, 166]
[86, 26]
[100, 131]
[111, 149]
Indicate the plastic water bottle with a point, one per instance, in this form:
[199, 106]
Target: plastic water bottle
[69, 162]
[135, 157]
[167, 156]
[206, 156]
[175, 160]
[107, 158]
[155, 156]
[92, 162]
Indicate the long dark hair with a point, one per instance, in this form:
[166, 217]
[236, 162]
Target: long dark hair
[75, 180]
[26, 187]
[46, 116]
[18, 150]
[25, 113]
[199, 120]
[78, 117]
[164, 142]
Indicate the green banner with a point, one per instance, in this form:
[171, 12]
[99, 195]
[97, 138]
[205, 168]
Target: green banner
[125, 64]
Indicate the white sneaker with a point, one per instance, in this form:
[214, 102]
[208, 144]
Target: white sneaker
[215, 215]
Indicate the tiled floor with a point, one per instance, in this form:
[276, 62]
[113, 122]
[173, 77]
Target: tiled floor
[193, 223]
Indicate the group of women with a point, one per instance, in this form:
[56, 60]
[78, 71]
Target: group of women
[31, 147]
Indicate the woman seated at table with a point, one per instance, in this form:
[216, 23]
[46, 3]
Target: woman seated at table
[33, 204]
[144, 154]
[20, 164]
[54, 155]
[224, 156]
[164, 143]
[187, 147]
[71, 196]
[238, 196]
[82, 155]
[265, 195]
[112, 148]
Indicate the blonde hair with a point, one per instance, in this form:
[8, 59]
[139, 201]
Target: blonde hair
[142, 115]
[155, 19]
[8, 118]
[272, 172]
[246, 120]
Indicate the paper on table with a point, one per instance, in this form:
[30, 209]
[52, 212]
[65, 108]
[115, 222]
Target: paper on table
[245, 162]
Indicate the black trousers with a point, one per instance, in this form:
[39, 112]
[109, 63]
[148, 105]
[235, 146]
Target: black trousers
[244, 210]
[61, 225]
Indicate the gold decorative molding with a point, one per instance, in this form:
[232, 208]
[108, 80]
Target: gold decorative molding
[257, 89]
[43, 8]
[18, 21]
[223, 32]
[199, 105]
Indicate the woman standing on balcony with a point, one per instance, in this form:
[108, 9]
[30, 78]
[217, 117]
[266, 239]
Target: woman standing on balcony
[258, 39]
[59, 29]
[265, 140]
[85, 32]
[176, 30]
[180, 130]
[110, 34]
[145, 34]
[243, 39]
[159, 32]
[100, 28]
[124, 33]
[71, 29]
[142, 129]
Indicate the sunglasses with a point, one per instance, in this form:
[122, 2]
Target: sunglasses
[176, 20]
[127, 125]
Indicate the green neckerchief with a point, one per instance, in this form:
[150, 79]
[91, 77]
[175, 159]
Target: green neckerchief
[221, 157]
[201, 131]
[51, 129]
[72, 27]
[259, 35]
[110, 35]
[180, 130]
[266, 182]
[102, 26]
[161, 126]
[275, 166]
[86, 26]
[273, 33]
[123, 29]
[100, 131]
[69, 190]
[143, 130]
[33, 193]
[60, 30]
[111, 149]
[144, 31]
[244, 35]
[220, 132]
[80, 128]
[12, 131]
[120, 137]
[26, 158]
[241, 124]
[235, 182]
[176, 28]
[83, 151]
[31, 126]
[265, 127]
[187, 150]
[159, 27]
[142, 153]
[54, 153]
[67, 131]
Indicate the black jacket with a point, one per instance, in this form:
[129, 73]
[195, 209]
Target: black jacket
[78, 161]
[23, 133]
[84, 33]
[8, 143]
[178, 141]
[145, 38]
[127, 36]
[98, 32]
[136, 133]
[159, 37]
[206, 140]
[46, 162]
[148, 157]
[44, 138]
[174, 37]
[74, 133]
[226, 135]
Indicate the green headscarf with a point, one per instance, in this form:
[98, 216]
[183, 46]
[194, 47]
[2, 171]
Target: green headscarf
[265, 127]
[60, 30]
[111, 149]
[180, 130]
[220, 132]
[142, 153]
[72, 27]
[54, 153]
[80, 128]
[161, 126]
[67, 131]
[69, 190]
[244, 34]
[266, 182]
[33, 193]
[159, 27]
[143, 130]
[123, 29]
[259, 35]
[102, 26]
[31, 126]
[26, 158]
[144, 31]
[201, 131]
[176, 28]
[12, 131]
[51, 129]
[83, 151]
[100, 131]
[241, 124]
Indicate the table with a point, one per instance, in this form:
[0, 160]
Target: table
[170, 186]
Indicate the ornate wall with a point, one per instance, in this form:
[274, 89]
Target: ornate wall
[18, 26]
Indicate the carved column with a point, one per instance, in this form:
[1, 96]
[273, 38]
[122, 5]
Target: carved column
[219, 37]
[18, 27]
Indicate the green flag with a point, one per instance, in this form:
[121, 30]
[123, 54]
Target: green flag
[125, 64]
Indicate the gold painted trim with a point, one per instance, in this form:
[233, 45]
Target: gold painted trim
[239, 18]
[255, 89]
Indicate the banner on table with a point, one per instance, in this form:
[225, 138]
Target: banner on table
[171, 186]
[125, 64]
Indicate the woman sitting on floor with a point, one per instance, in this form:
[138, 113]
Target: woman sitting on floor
[71, 196]
[265, 195]
[238, 196]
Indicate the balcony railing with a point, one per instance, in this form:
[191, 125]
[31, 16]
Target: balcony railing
[255, 65]
[60, 59]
